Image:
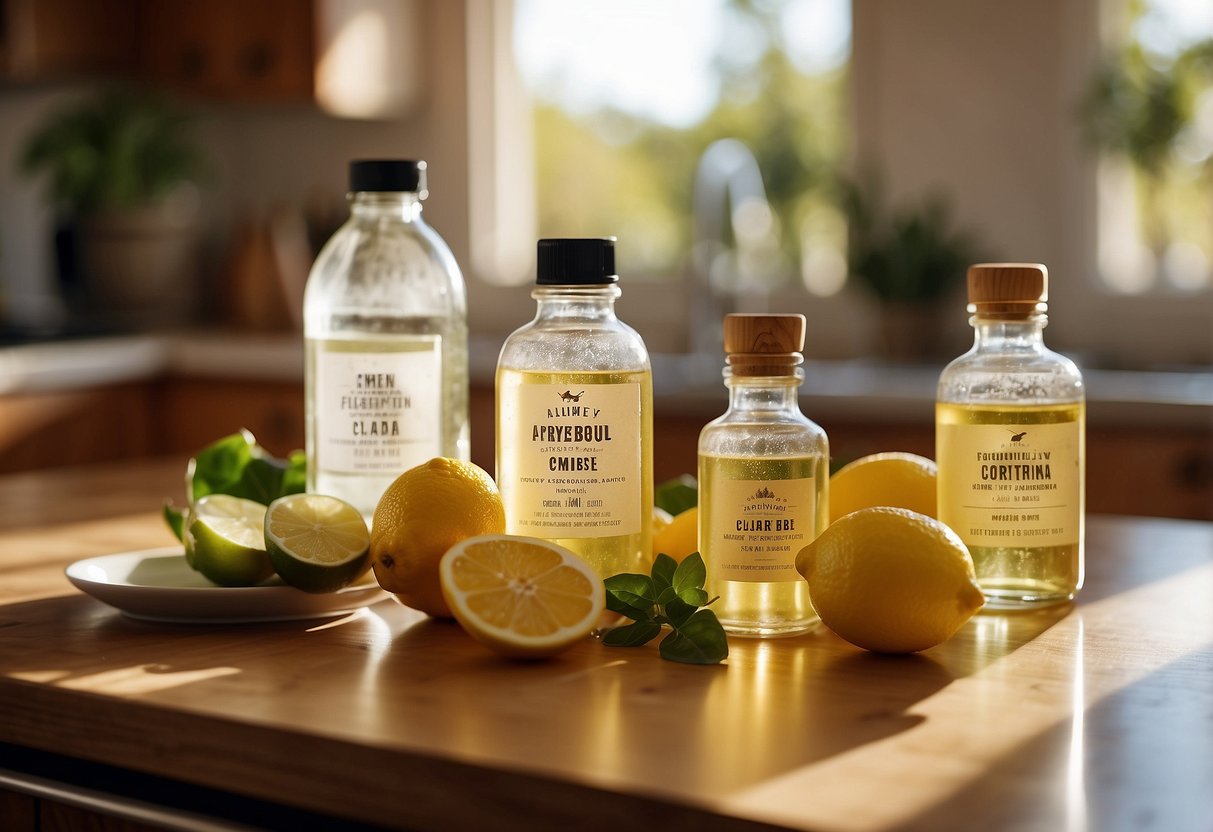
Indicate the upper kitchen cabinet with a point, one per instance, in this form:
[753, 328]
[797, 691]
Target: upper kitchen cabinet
[231, 49]
[54, 39]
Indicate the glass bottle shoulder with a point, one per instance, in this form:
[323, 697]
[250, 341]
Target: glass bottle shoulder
[588, 346]
[1037, 376]
[783, 433]
[384, 267]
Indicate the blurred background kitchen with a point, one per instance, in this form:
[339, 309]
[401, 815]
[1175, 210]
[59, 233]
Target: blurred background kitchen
[168, 169]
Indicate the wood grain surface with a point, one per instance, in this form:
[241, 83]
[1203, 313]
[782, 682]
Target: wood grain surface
[1091, 716]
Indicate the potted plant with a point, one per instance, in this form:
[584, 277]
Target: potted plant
[909, 259]
[120, 164]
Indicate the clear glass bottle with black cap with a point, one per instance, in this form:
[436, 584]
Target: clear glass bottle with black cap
[385, 321]
[1010, 443]
[575, 414]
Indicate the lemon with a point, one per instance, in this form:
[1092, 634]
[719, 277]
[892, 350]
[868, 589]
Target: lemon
[521, 596]
[316, 543]
[890, 580]
[426, 511]
[680, 538]
[225, 540]
[889, 479]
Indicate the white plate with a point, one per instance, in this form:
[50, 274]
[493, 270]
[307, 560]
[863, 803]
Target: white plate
[158, 585]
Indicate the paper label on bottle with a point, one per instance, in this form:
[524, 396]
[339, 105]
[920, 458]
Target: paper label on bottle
[378, 407]
[571, 462]
[1011, 485]
[759, 526]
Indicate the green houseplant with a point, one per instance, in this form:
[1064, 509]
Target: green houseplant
[909, 259]
[118, 166]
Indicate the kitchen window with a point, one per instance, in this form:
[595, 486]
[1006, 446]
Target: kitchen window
[706, 134]
[1149, 113]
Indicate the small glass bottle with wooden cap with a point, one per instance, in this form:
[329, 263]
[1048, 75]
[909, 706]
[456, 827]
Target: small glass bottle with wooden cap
[1010, 438]
[763, 479]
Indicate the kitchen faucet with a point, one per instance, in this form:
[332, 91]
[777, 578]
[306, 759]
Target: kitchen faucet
[732, 251]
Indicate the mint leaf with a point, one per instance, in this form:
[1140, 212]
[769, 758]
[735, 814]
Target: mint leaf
[631, 595]
[677, 495]
[700, 640]
[632, 635]
[664, 568]
[673, 596]
[238, 466]
[691, 574]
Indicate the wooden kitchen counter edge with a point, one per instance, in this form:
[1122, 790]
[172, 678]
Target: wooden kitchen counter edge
[390, 719]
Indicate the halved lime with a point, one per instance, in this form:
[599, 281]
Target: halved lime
[317, 543]
[225, 541]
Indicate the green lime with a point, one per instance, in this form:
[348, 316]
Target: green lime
[225, 541]
[317, 543]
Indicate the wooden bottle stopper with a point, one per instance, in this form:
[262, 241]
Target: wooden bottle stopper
[1011, 291]
[764, 344]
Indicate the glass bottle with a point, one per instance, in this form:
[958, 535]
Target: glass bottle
[763, 481]
[385, 323]
[575, 414]
[1010, 444]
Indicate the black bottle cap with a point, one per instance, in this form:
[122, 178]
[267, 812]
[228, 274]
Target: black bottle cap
[576, 261]
[384, 175]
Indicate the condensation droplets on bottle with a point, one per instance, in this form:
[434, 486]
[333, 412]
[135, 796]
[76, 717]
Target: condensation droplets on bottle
[1010, 439]
[575, 414]
[385, 321]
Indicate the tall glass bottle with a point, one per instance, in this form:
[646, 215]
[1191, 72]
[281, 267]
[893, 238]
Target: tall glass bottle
[763, 481]
[385, 320]
[575, 414]
[1010, 442]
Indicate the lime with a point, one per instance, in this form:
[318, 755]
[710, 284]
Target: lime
[225, 542]
[317, 543]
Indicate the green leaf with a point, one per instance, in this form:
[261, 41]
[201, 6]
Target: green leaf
[700, 640]
[175, 517]
[677, 611]
[630, 594]
[664, 568]
[238, 466]
[677, 495]
[691, 574]
[694, 596]
[632, 635]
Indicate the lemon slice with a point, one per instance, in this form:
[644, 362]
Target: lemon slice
[521, 596]
[224, 540]
[317, 543]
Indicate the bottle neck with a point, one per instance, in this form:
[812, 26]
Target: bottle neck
[1019, 335]
[404, 206]
[579, 304]
[764, 394]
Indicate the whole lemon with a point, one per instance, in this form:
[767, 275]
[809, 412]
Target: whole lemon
[888, 479]
[680, 537]
[427, 510]
[890, 580]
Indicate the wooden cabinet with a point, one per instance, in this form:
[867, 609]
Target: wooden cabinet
[216, 49]
[50, 39]
[230, 48]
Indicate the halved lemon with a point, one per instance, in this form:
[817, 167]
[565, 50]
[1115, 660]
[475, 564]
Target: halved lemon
[317, 543]
[521, 596]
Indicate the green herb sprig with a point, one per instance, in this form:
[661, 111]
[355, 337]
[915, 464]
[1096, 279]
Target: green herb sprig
[673, 595]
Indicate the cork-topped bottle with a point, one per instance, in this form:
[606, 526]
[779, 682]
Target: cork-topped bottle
[1010, 444]
[763, 479]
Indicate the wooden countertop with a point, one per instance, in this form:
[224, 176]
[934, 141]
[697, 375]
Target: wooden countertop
[1097, 716]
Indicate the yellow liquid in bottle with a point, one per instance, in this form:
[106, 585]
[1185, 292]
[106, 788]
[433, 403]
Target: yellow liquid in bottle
[1011, 485]
[531, 434]
[748, 607]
